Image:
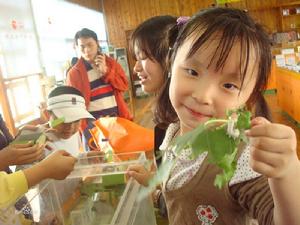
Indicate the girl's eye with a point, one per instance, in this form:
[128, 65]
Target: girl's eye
[230, 86]
[192, 72]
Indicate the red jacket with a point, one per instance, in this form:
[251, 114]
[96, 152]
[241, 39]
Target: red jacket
[77, 77]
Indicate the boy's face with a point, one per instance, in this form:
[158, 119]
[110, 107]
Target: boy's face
[65, 130]
[199, 93]
[88, 48]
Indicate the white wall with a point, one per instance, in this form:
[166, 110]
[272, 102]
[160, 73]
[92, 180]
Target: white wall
[57, 22]
[19, 53]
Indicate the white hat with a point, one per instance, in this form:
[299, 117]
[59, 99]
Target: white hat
[71, 107]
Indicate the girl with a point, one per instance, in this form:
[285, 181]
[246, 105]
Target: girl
[149, 45]
[221, 60]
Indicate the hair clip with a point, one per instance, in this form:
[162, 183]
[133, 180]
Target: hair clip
[169, 74]
[182, 20]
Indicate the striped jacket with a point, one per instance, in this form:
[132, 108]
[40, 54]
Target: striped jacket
[77, 77]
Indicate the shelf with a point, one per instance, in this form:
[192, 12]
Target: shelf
[285, 16]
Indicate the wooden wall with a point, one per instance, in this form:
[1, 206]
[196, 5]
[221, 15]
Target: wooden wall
[91, 4]
[125, 15]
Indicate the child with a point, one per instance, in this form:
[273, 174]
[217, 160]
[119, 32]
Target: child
[67, 104]
[221, 60]
[149, 44]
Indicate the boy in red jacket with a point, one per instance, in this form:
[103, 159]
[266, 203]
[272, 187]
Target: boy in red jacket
[99, 78]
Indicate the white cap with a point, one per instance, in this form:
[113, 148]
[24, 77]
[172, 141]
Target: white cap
[70, 106]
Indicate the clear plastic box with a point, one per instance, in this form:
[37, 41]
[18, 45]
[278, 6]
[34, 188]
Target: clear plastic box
[95, 193]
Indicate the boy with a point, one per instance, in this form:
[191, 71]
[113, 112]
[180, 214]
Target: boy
[65, 108]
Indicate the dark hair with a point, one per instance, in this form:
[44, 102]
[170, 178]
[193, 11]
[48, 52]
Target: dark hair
[151, 37]
[85, 33]
[232, 24]
[62, 90]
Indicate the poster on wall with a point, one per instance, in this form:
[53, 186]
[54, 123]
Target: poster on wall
[19, 53]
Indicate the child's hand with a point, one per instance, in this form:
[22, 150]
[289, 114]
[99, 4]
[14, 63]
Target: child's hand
[139, 173]
[29, 127]
[20, 154]
[58, 165]
[273, 148]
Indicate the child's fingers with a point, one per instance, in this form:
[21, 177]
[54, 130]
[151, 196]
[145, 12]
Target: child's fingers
[271, 144]
[140, 178]
[136, 167]
[29, 158]
[259, 121]
[272, 159]
[34, 149]
[270, 130]
[26, 145]
[262, 168]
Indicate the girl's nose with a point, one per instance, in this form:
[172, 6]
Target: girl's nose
[137, 67]
[204, 94]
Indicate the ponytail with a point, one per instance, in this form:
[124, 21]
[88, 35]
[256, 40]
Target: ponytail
[164, 112]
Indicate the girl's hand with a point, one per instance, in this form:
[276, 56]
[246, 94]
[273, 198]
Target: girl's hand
[139, 173]
[57, 165]
[273, 148]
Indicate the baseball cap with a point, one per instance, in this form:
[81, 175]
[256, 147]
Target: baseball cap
[71, 107]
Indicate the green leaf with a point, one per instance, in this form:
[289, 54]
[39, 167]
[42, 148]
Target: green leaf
[186, 140]
[212, 138]
[244, 120]
[55, 122]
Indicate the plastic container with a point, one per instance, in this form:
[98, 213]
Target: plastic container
[95, 193]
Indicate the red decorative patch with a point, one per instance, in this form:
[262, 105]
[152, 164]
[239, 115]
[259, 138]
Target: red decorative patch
[207, 214]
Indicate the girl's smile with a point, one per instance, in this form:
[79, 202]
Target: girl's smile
[198, 115]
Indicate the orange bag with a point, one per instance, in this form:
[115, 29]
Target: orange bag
[123, 135]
